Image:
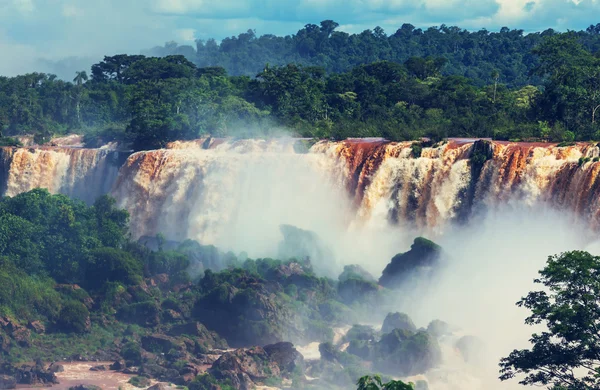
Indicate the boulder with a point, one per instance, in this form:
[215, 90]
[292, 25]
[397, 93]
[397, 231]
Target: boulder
[158, 386]
[118, 365]
[7, 382]
[355, 271]
[405, 353]
[160, 343]
[37, 327]
[198, 332]
[55, 367]
[252, 362]
[422, 257]
[85, 387]
[439, 328]
[247, 316]
[22, 336]
[99, 368]
[305, 244]
[471, 348]
[285, 355]
[398, 321]
[34, 375]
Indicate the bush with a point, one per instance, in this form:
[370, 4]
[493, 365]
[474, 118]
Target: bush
[74, 317]
[112, 265]
[132, 352]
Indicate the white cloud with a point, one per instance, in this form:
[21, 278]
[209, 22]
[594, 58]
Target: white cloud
[23, 6]
[186, 34]
[70, 11]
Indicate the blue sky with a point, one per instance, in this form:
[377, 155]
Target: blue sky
[31, 30]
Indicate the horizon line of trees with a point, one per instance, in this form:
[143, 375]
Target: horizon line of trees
[145, 102]
[472, 54]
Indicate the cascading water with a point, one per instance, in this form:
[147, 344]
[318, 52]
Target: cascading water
[80, 173]
[200, 190]
[367, 199]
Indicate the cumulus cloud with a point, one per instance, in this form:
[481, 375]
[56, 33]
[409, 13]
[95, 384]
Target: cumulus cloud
[31, 30]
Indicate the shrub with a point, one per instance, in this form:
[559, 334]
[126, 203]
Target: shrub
[74, 317]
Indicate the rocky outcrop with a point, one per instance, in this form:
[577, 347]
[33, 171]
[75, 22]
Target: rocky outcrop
[159, 343]
[29, 374]
[118, 365]
[7, 382]
[405, 353]
[285, 355]
[85, 387]
[244, 368]
[304, 244]
[37, 327]
[19, 333]
[55, 367]
[422, 257]
[438, 328]
[398, 321]
[205, 338]
[246, 316]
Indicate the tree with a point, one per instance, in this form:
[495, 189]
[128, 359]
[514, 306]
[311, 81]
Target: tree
[567, 354]
[80, 77]
[495, 76]
[375, 383]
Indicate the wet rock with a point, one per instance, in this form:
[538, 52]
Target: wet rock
[85, 387]
[405, 353]
[118, 365]
[55, 367]
[398, 321]
[252, 315]
[99, 368]
[422, 257]
[158, 386]
[7, 382]
[253, 363]
[439, 328]
[305, 244]
[285, 355]
[355, 272]
[471, 348]
[34, 375]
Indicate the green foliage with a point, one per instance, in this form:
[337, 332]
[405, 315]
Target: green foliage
[139, 381]
[324, 85]
[112, 265]
[132, 352]
[375, 383]
[569, 307]
[25, 296]
[73, 317]
[416, 148]
[52, 235]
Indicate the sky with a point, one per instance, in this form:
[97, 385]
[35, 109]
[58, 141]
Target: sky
[35, 34]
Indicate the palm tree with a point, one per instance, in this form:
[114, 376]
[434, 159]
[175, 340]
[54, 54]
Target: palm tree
[495, 75]
[80, 77]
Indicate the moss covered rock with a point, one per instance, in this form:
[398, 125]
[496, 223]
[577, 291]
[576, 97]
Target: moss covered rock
[423, 255]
